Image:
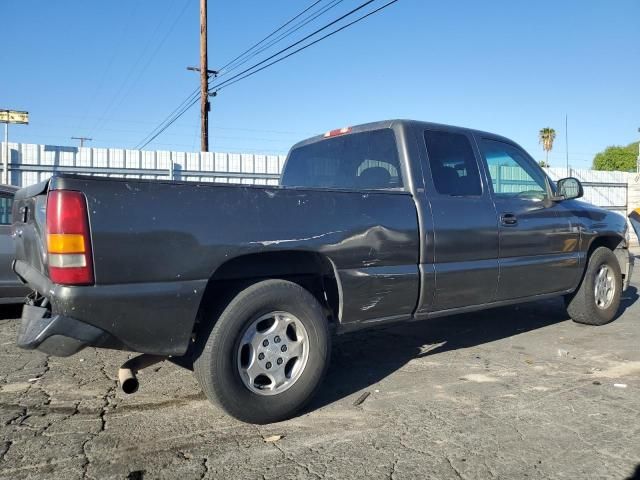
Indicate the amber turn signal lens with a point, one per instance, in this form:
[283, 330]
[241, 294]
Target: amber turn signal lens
[65, 243]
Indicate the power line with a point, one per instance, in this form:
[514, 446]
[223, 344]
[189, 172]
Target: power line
[122, 94]
[126, 26]
[153, 54]
[149, 122]
[194, 93]
[153, 136]
[284, 35]
[270, 35]
[360, 7]
[192, 99]
[82, 140]
[237, 78]
[188, 102]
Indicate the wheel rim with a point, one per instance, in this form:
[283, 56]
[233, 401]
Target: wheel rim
[605, 287]
[273, 353]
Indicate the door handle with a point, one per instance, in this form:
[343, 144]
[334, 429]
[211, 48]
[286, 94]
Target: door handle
[508, 219]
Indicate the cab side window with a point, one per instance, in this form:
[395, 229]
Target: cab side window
[453, 164]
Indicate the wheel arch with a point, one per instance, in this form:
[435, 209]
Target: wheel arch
[609, 240]
[614, 242]
[311, 270]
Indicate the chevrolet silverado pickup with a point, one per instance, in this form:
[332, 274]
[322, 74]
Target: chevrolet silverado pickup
[387, 222]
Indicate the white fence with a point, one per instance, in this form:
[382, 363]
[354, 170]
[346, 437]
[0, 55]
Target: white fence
[605, 189]
[31, 163]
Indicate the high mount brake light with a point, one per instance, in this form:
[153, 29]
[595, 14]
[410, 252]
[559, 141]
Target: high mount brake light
[337, 131]
[68, 239]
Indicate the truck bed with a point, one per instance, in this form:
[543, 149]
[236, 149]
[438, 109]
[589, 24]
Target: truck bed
[156, 245]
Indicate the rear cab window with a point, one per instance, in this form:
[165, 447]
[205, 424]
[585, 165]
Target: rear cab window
[356, 161]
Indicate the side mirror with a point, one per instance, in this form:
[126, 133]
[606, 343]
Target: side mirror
[570, 188]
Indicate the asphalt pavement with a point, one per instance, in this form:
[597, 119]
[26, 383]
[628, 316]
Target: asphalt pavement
[515, 392]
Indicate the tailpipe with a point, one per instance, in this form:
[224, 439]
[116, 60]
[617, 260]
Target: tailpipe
[127, 372]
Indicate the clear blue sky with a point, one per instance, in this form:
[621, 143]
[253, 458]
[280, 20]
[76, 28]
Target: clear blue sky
[114, 69]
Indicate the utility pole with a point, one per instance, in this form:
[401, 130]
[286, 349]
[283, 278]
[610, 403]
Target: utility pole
[204, 80]
[82, 140]
[205, 74]
[5, 168]
[638, 161]
[566, 140]
[7, 117]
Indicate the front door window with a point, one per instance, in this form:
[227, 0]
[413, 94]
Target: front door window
[512, 174]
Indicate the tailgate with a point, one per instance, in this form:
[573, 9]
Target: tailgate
[29, 215]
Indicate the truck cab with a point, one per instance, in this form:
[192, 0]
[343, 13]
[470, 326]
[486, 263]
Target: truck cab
[494, 229]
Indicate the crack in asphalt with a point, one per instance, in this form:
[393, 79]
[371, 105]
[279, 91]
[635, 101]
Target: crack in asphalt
[394, 466]
[455, 470]
[205, 465]
[21, 416]
[287, 457]
[107, 399]
[68, 422]
[5, 449]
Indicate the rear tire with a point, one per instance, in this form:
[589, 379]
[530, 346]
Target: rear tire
[227, 366]
[597, 299]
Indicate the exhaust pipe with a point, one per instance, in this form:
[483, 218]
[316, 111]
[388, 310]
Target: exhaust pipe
[127, 372]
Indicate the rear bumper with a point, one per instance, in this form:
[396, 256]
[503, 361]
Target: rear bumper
[57, 335]
[155, 318]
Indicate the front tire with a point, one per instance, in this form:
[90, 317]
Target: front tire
[266, 354]
[597, 299]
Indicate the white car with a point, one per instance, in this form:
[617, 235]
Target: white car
[12, 290]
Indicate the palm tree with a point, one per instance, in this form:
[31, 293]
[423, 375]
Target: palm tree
[546, 136]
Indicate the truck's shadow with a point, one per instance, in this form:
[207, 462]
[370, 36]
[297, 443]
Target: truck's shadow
[636, 474]
[362, 359]
[10, 311]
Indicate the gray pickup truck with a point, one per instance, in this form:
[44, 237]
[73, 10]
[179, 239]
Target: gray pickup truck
[387, 222]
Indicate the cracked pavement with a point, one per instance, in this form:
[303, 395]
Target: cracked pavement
[515, 392]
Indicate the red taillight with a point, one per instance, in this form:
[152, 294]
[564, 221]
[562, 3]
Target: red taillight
[68, 239]
[337, 131]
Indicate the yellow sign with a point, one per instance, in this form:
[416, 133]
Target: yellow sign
[13, 116]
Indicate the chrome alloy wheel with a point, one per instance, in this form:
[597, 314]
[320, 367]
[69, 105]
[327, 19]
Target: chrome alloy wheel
[605, 287]
[273, 353]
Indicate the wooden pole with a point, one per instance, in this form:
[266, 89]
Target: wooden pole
[204, 80]
[5, 167]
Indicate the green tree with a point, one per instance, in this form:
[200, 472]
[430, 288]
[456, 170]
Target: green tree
[546, 136]
[543, 164]
[617, 158]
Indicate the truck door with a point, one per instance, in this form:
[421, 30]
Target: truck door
[464, 217]
[538, 247]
